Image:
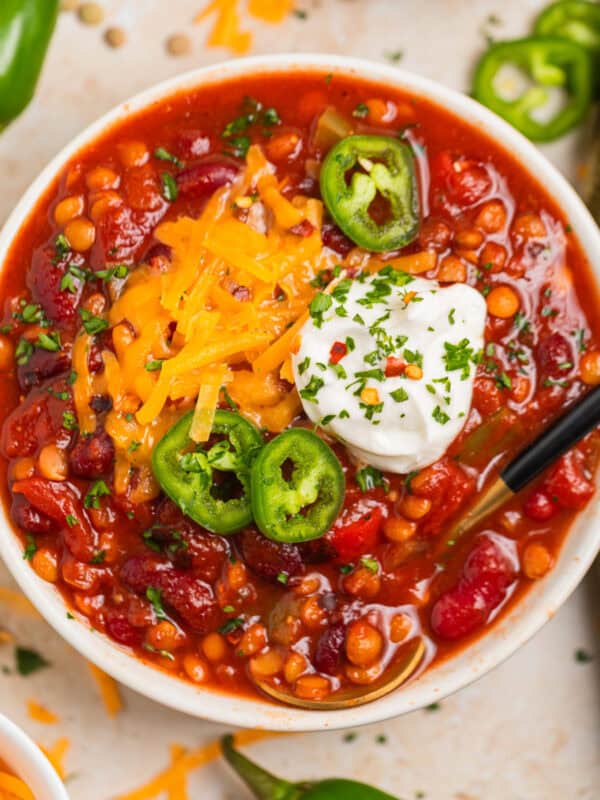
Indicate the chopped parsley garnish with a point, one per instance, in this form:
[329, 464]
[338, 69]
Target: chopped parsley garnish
[440, 416]
[30, 548]
[98, 489]
[451, 314]
[49, 341]
[73, 274]
[399, 395]
[459, 357]
[283, 577]
[312, 388]
[118, 271]
[163, 155]
[271, 117]
[231, 625]
[29, 661]
[154, 365]
[23, 352]
[92, 324]
[62, 246]
[170, 190]
[71, 520]
[368, 478]
[238, 146]
[503, 381]
[582, 656]
[318, 306]
[69, 421]
[154, 596]
[163, 653]
[361, 111]
[31, 313]
[133, 446]
[303, 365]
[395, 56]
[98, 558]
[370, 563]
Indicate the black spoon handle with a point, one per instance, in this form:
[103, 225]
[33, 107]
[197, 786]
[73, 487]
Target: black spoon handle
[568, 430]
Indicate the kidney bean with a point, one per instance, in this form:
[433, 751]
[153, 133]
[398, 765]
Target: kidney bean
[489, 571]
[554, 356]
[101, 403]
[61, 501]
[567, 483]
[204, 178]
[41, 366]
[268, 559]
[329, 648]
[93, 455]
[44, 279]
[192, 144]
[119, 628]
[333, 238]
[38, 420]
[189, 597]
[156, 254]
[29, 518]
[540, 506]
[464, 182]
[121, 232]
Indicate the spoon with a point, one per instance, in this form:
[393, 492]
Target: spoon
[399, 672]
[553, 442]
[563, 434]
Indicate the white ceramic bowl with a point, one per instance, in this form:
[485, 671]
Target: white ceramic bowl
[28, 762]
[513, 630]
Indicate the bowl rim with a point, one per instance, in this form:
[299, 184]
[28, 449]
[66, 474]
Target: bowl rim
[29, 763]
[476, 659]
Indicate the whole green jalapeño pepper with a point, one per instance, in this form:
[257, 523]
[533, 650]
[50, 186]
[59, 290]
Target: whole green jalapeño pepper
[265, 786]
[211, 485]
[303, 505]
[379, 164]
[549, 62]
[577, 20]
[26, 27]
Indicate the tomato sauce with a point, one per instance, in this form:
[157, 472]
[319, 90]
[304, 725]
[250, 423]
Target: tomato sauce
[335, 611]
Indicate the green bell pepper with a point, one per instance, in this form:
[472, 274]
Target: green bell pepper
[26, 28]
[549, 62]
[304, 505]
[211, 485]
[388, 168]
[577, 20]
[265, 786]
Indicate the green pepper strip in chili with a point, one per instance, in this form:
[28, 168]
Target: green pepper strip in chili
[577, 20]
[265, 786]
[549, 62]
[388, 166]
[26, 27]
[186, 471]
[304, 506]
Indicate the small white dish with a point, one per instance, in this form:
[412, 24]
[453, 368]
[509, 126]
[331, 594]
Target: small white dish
[27, 761]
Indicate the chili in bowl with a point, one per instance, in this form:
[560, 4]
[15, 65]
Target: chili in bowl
[268, 331]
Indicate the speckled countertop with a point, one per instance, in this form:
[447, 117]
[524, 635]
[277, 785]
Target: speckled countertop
[528, 731]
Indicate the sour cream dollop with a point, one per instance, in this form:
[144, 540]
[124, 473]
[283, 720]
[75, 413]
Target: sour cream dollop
[386, 364]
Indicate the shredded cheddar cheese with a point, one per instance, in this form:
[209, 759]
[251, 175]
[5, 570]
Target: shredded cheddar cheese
[13, 788]
[224, 312]
[56, 755]
[227, 31]
[41, 714]
[109, 690]
[180, 767]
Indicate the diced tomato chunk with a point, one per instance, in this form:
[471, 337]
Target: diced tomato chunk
[555, 356]
[567, 483]
[448, 486]
[464, 182]
[201, 180]
[394, 367]
[357, 531]
[61, 502]
[38, 420]
[488, 573]
[337, 352]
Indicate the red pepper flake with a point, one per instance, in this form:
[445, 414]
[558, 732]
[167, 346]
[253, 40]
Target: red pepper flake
[337, 352]
[394, 367]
